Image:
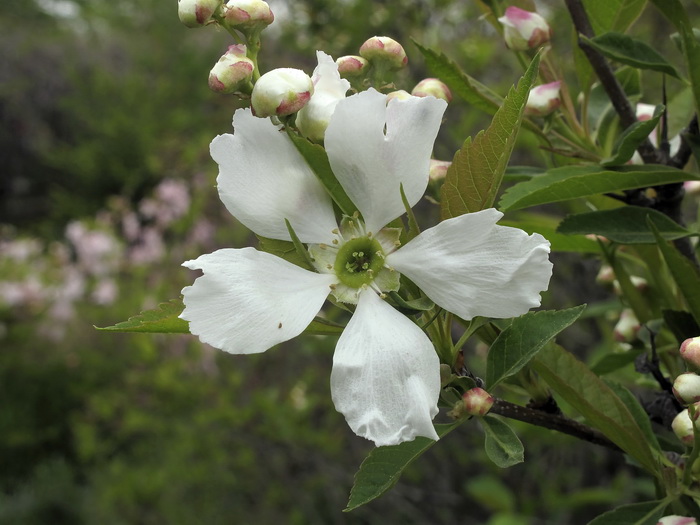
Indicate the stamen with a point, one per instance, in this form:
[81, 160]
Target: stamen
[335, 241]
[323, 246]
[335, 231]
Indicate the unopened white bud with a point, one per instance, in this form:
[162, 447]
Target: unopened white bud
[682, 427]
[690, 351]
[352, 66]
[477, 402]
[627, 327]
[247, 14]
[438, 170]
[432, 87]
[676, 520]
[196, 13]
[281, 92]
[232, 71]
[399, 94]
[382, 49]
[543, 99]
[524, 30]
[686, 388]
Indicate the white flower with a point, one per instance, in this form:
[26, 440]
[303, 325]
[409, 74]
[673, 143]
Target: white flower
[385, 376]
[329, 89]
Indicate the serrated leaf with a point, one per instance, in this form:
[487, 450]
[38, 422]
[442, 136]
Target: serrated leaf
[317, 160]
[321, 326]
[461, 84]
[520, 342]
[632, 52]
[595, 401]
[683, 271]
[161, 320]
[647, 513]
[476, 172]
[383, 467]
[630, 139]
[572, 182]
[626, 225]
[501, 444]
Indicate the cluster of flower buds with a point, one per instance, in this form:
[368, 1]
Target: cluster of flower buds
[524, 30]
[686, 388]
[543, 99]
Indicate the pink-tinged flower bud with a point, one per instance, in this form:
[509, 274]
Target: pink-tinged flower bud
[640, 283]
[543, 99]
[690, 351]
[281, 92]
[399, 94]
[385, 50]
[196, 13]
[247, 14]
[524, 30]
[676, 520]
[692, 187]
[477, 402]
[432, 87]
[232, 71]
[605, 276]
[644, 111]
[686, 388]
[627, 327]
[683, 427]
[438, 170]
[352, 66]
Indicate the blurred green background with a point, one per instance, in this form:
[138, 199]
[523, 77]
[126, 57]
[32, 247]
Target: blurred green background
[106, 186]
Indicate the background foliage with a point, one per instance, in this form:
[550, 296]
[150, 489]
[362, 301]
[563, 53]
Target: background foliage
[100, 103]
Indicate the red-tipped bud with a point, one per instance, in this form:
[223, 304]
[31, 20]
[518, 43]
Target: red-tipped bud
[196, 13]
[385, 50]
[690, 351]
[676, 520]
[683, 427]
[524, 30]
[247, 15]
[686, 388]
[352, 66]
[477, 402]
[544, 99]
[438, 170]
[432, 87]
[232, 71]
[627, 327]
[281, 92]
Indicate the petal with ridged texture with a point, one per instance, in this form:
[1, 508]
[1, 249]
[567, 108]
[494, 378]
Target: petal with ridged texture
[374, 149]
[264, 180]
[386, 375]
[472, 267]
[248, 301]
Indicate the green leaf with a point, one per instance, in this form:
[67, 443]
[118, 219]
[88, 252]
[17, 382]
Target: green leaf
[383, 467]
[302, 252]
[526, 335]
[612, 362]
[638, 412]
[478, 167]
[595, 400]
[317, 160]
[502, 445]
[682, 324]
[683, 271]
[674, 11]
[630, 139]
[283, 249]
[321, 326]
[647, 513]
[559, 241]
[461, 84]
[632, 52]
[626, 225]
[572, 182]
[161, 320]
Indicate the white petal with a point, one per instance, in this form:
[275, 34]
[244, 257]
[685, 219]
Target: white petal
[470, 266]
[263, 180]
[386, 375]
[372, 165]
[248, 301]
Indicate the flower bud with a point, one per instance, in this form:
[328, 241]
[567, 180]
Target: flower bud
[627, 327]
[385, 50]
[281, 92]
[692, 187]
[438, 170]
[524, 30]
[644, 111]
[686, 388]
[543, 99]
[432, 87]
[196, 13]
[605, 276]
[247, 14]
[640, 283]
[676, 520]
[232, 70]
[352, 66]
[477, 402]
[690, 351]
[683, 427]
[399, 94]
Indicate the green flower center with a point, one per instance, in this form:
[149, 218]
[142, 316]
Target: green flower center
[358, 261]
